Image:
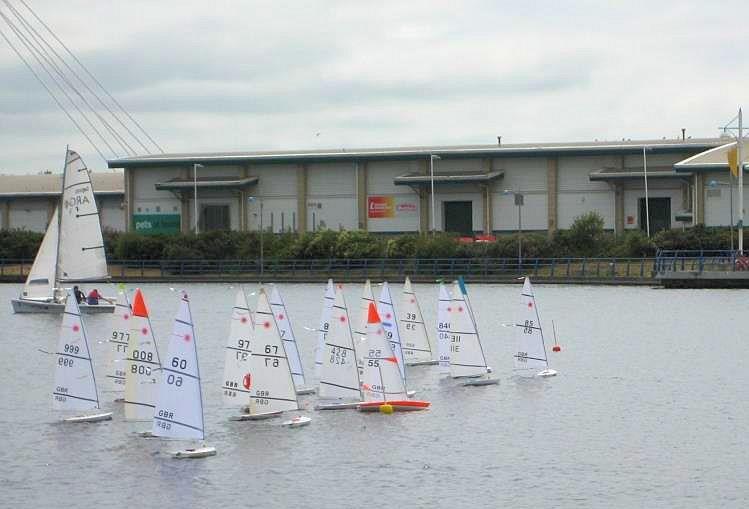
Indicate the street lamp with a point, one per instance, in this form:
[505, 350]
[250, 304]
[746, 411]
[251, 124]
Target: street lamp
[519, 198]
[252, 199]
[432, 157]
[716, 183]
[647, 205]
[195, 193]
[740, 164]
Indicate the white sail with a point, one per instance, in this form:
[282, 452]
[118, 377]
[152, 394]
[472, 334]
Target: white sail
[322, 331]
[367, 298]
[272, 388]
[118, 343]
[381, 378]
[339, 377]
[81, 252]
[236, 385]
[466, 355]
[40, 283]
[530, 356]
[75, 385]
[179, 407]
[386, 311]
[414, 337]
[141, 364]
[283, 322]
[443, 328]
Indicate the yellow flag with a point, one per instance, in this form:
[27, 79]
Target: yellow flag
[733, 162]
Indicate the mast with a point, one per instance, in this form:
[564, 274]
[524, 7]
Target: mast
[59, 224]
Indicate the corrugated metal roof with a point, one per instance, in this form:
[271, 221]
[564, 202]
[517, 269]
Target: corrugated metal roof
[459, 151]
[50, 184]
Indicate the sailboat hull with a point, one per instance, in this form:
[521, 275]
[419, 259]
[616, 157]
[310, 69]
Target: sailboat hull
[106, 416]
[423, 363]
[399, 406]
[36, 306]
[198, 452]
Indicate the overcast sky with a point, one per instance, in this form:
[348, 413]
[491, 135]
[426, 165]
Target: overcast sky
[241, 75]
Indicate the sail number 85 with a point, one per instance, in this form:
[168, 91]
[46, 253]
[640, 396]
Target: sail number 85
[528, 327]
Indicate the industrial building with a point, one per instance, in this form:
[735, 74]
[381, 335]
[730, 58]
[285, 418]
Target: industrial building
[481, 189]
[28, 201]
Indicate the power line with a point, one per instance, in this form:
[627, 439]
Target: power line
[98, 83]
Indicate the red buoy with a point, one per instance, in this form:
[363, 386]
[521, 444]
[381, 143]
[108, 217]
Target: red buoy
[556, 348]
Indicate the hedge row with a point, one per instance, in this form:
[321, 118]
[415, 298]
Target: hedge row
[586, 238]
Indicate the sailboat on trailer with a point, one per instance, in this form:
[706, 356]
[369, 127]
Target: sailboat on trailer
[118, 343]
[142, 364]
[417, 351]
[179, 407]
[283, 322]
[339, 377]
[322, 331]
[236, 384]
[75, 383]
[72, 249]
[467, 358]
[530, 357]
[271, 386]
[382, 385]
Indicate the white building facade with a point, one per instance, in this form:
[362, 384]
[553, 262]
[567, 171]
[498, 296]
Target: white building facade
[389, 190]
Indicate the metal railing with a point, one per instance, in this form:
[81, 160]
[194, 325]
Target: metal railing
[699, 261]
[478, 269]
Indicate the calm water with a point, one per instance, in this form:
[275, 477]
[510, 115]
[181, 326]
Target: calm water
[649, 410]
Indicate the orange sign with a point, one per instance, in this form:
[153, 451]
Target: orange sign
[380, 207]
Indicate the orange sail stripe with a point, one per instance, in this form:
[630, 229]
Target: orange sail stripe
[373, 317]
[139, 304]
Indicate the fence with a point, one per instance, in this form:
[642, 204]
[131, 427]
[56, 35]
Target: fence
[477, 269]
[699, 261]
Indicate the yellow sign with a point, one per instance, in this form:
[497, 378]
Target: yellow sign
[733, 161]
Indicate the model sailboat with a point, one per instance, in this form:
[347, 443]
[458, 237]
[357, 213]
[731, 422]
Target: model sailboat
[142, 365]
[271, 386]
[179, 408]
[75, 384]
[283, 322]
[72, 249]
[530, 357]
[236, 381]
[322, 331]
[386, 311]
[118, 343]
[443, 328]
[382, 385]
[467, 358]
[339, 377]
[417, 350]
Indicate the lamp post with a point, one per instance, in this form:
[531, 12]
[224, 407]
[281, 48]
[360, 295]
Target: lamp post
[740, 164]
[195, 194]
[432, 157]
[519, 199]
[252, 199]
[716, 183]
[647, 204]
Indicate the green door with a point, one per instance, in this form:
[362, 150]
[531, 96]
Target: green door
[458, 217]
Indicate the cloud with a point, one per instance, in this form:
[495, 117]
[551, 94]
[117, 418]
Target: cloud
[234, 75]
